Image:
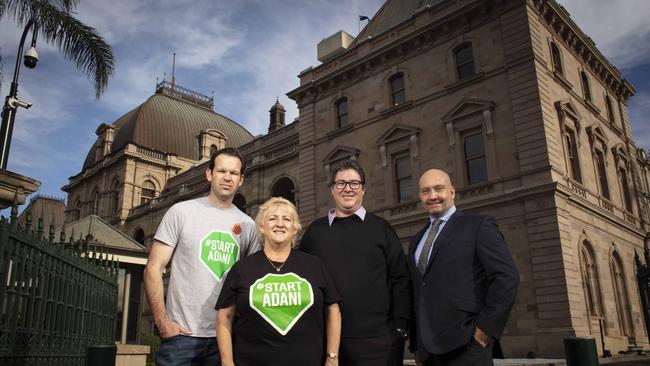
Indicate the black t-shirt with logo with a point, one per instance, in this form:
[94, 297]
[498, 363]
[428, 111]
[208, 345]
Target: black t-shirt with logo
[280, 314]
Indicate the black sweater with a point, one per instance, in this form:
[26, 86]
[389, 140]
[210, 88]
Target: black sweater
[369, 269]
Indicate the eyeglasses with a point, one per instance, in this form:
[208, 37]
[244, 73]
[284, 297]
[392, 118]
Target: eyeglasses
[340, 184]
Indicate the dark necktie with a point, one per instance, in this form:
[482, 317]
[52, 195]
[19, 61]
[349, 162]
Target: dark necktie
[428, 243]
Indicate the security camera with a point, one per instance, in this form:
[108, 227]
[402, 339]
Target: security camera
[15, 103]
[31, 58]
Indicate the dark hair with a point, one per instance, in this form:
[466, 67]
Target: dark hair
[230, 151]
[348, 164]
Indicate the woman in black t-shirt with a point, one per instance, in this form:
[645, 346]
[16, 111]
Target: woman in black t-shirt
[278, 306]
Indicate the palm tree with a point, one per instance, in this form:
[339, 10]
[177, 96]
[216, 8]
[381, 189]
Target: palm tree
[79, 42]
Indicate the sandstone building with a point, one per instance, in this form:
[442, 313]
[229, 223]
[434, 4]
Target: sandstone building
[509, 96]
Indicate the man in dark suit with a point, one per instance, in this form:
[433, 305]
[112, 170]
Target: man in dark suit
[464, 278]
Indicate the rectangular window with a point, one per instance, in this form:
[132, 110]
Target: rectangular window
[585, 86]
[557, 59]
[610, 110]
[397, 89]
[602, 174]
[403, 179]
[342, 113]
[475, 162]
[627, 197]
[464, 62]
[572, 154]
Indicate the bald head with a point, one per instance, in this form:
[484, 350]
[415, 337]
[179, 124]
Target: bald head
[436, 175]
[436, 192]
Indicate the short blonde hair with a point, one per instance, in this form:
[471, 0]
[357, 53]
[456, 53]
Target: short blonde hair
[274, 203]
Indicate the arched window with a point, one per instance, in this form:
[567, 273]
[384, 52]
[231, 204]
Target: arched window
[590, 282]
[585, 86]
[148, 192]
[342, 112]
[95, 202]
[397, 90]
[620, 295]
[240, 202]
[285, 188]
[557, 59]
[464, 61]
[213, 149]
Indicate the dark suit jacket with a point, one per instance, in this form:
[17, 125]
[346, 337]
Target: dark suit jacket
[471, 280]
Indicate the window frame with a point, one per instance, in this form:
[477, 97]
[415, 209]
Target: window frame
[465, 63]
[591, 281]
[556, 59]
[572, 154]
[403, 156]
[609, 107]
[626, 193]
[621, 298]
[586, 87]
[393, 92]
[600, 163]
[339, 116]
[143, 197]
[467, 159]
[468, 115]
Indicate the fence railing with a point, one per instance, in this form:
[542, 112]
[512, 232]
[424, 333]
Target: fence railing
[56, 298]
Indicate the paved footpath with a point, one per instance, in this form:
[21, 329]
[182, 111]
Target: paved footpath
[617, 360]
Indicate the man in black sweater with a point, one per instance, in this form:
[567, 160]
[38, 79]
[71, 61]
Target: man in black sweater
[365, 258]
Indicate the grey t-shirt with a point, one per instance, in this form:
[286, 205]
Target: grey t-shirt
[207, 241]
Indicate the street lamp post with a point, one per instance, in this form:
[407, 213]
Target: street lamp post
[12, 102]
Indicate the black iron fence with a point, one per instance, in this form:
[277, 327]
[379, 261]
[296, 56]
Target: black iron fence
[56, 298]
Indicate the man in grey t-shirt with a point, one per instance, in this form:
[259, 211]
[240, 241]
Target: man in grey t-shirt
[203, 238]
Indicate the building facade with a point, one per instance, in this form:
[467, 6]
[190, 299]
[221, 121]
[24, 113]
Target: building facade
[509, 96]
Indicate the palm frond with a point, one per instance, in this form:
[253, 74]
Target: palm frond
[20, 10]
[80, 43]
[67, 5]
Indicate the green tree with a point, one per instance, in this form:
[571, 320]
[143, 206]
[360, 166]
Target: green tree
[79, 42]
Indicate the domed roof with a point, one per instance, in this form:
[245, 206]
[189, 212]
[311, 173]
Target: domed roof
[164, 123]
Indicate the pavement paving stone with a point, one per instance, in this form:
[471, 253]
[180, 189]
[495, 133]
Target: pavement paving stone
[616, 360]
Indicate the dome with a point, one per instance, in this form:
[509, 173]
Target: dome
[166, 124]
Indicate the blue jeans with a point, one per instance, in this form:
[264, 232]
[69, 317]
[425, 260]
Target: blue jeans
[182, 350]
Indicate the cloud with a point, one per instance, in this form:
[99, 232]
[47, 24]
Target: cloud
[274, 53]
[639, 110]
[620, 28]
[247, 51]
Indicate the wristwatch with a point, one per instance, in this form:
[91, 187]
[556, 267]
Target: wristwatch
[402, 332]
[332, 356]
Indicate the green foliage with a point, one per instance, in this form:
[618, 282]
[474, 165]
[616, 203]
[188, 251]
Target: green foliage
[152, 341]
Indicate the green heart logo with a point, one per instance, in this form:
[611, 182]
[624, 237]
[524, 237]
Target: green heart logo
[281, 299]
[219, 251]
